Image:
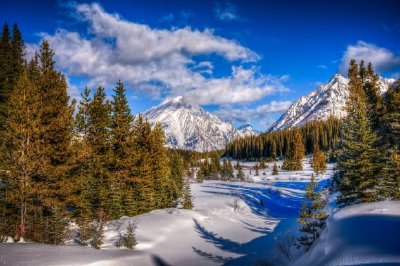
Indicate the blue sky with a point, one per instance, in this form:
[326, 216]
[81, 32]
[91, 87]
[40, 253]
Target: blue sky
[246, 61]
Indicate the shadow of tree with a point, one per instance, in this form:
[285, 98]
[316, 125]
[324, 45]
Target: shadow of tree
[256, 251]
[268, 202]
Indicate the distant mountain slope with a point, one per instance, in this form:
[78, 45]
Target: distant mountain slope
[328, 100]
[246, 130]
[188, 126]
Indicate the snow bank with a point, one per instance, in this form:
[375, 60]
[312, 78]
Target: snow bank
[367, 233]
[232, 223]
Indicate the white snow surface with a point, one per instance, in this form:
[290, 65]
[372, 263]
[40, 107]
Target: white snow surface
[232, 223]
[188, 126]
[328, 100]
[363, 234]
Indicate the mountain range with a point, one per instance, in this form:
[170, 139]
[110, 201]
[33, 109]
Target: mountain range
[328, 100]
[188, 126]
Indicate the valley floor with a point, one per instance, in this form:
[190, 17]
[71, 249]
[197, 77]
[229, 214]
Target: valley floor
[232, 223]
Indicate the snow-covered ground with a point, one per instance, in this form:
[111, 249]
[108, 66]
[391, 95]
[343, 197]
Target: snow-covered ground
[232, 223]
[362, 234]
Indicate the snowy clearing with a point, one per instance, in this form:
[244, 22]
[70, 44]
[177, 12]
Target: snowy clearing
[361, 234]
[232, 223]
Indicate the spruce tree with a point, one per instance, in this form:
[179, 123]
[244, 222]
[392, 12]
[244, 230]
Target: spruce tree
[122, 153]
[57, 132]
[391, 116]
[129, 237]
[6, 73]
[187, 196]
[295, 153]
[164, 185]
[177, 173]
[389, 185]
[99, 140]
[356, 154]
[23, 156]
[143, 182]
[318, 160]
[275, 169]
[240, 174]
[312, 215]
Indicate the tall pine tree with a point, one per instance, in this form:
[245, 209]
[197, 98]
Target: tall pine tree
[356, 153]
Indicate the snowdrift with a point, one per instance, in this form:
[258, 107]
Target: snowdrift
[367, 233]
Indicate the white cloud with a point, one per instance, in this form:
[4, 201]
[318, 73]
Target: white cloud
[158, 61]
[381, 58]
[226, 11]
[260, 113]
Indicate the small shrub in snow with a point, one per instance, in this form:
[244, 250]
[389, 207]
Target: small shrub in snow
[98, 229]
[236, 205]
[129, 240]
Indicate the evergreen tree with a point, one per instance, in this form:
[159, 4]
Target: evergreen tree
[295, 153]
[123, 153]
[391, 116]
[130, 238]
[144, 192]
[356, 153]
[5, 71]
[164, 186]
[240, 174]
[57, 126]
[312, 215]
[389, 185]
[275, 169]
[372, 93]
[318, 160]
[22, 157]
[99, 141]
[187, 196]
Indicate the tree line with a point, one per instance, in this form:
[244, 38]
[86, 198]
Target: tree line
[59, 164]
[275, 145]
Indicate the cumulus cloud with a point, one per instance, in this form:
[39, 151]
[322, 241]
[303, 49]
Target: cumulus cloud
[158, 61]
[226, 11]
[381, 58]
[261, 113]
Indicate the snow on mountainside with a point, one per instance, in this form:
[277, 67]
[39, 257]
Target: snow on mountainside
[328, 100]
[188, 126]
[246, 130]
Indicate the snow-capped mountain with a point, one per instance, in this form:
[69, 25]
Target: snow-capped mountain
[188, 126]
[328, 100]
[246, 130]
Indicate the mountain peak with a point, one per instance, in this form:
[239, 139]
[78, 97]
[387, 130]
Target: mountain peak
[246, 130]
[188, 126]
[328, 100]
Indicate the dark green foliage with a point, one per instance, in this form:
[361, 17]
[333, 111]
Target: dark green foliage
[312, 215]
[187, 196]
[98, 229]
[272, 145]
[391, 116]
[240, 174]
[275, 169]
[295, 153]
[357, 157]
[22, 156]
[319, 160]
[85, 233]
[129, 240]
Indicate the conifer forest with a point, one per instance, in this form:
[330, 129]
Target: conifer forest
[130, 139]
